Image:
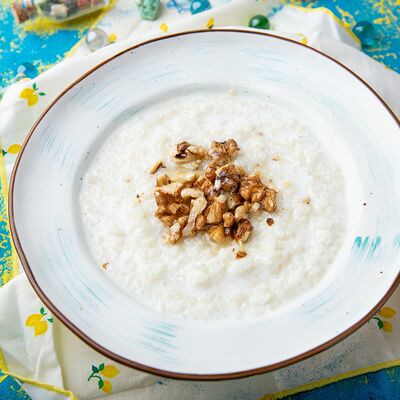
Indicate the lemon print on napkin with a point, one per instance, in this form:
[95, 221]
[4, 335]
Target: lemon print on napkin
[39, 322]
[104, 371]
[385, 313]
[31, 95]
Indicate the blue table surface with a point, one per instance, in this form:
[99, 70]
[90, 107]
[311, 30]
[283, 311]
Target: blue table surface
[46, 46]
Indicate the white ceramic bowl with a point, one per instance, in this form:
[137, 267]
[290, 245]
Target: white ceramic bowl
[360, 130]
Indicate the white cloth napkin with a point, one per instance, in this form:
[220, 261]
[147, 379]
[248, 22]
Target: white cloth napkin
[56, 356]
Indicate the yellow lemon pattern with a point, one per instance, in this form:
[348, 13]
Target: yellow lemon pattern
[112, 38]
[385, 313]
[164, 27]
[39, 322]
[103, 371]
[13, 149]
[210, 23]
[31, 95]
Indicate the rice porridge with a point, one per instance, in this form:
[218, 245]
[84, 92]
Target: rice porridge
[292, 244]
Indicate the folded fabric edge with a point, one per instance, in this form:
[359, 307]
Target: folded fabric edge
[332, 15]
[12, 259]
[42, 385]
[329, 380]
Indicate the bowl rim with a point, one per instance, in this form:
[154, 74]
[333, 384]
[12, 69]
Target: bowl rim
[130, 363]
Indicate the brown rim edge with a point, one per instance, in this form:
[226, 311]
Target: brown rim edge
[133, 364]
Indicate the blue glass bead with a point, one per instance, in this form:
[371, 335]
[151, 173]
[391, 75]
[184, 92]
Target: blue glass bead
[180, 5]
[96, 39]
[365, 31]
[259, 22]
[27, 70]
[199, 6]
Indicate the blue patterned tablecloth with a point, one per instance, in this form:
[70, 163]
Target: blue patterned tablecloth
[44, 45]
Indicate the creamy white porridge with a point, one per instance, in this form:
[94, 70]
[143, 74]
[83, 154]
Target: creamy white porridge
[197, 278]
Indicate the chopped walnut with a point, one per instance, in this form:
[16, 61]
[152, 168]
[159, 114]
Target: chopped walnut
[210, 171]
[269, 201]
[214, 212]
[241, 254]
[197, 206]
[251, 188]
[229, 219]
[255, 207]
[234, 200]
[175, 232]
[241, 212]
[105, 265]
[276, 157]
[184, 177]
[200, 222]
[216, 233]
[193, 193]
[162, 180]
[156, 167]
[223, 152]
[228, 177]
[207, 187]
[220, 200]
[243, 231]
[307, 201]
[186, 152]
[270, 221]
[168, 219]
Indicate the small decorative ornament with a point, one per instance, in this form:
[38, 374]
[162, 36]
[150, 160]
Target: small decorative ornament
[27, 70]
[180, 5]
[366, 33]
[96, 39]
[55, 10]
[149, 9]
[259, 22]
[198, 6]
[58, 11]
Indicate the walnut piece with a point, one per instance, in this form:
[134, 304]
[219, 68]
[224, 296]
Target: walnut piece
[241, 212]
[223, 152]
[162, 180]
[241, 254]
[214, 212]
[234, 200]
[156, 166]
[186, 152]
[197, 206]
[253, 190]
[207, 187]
[269, 201]
[243, 231]
[229, 219]
[175, 232]
[216, 233]
[228, 177]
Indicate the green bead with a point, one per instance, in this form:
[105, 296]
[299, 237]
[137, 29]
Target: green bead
[259, 22]
[149, 9]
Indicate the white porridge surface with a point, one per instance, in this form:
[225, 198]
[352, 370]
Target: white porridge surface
[197, 278]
